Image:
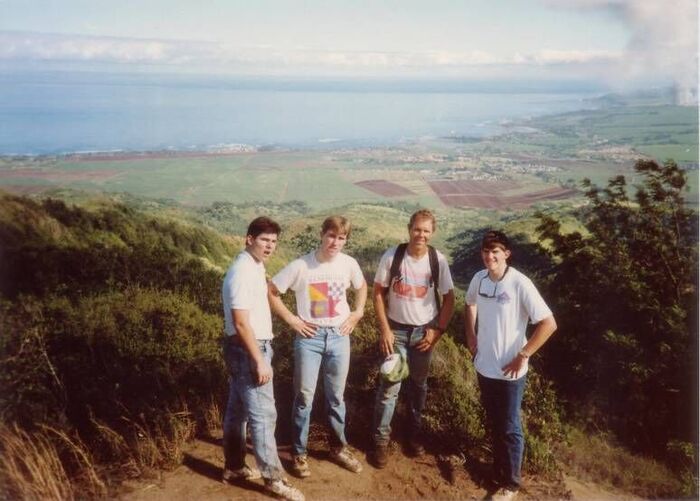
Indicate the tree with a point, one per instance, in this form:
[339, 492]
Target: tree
[626, 302]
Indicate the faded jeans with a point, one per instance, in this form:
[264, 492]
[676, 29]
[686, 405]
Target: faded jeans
[388, 393]
[502, 400]
[328, 352]
[252, 404]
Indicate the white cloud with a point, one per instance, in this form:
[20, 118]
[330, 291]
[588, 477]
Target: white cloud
[664, 39]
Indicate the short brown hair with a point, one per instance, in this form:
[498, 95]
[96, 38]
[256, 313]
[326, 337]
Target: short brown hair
[423, 214]
[263, 224]
[495, 238]
[339, 224]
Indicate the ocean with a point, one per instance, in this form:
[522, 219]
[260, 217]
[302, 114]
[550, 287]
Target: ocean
[62, 112]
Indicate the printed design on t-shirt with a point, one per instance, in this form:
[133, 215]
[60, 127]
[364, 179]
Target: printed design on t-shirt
[503, 298]
[411, 285]
[324, 297]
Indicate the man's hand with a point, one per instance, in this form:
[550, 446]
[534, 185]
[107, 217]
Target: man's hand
[263, 372]
[513, 368]
[430, 339]
[350, 323]
[472, 345]
[302, 327]
[386, 342]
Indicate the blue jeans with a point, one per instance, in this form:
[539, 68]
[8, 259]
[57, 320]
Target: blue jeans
[252, 404]
[328, 352]
[501, 400]
[387, 393]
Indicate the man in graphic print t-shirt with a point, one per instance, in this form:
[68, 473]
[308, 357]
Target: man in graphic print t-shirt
[323, 325]
[410, 323]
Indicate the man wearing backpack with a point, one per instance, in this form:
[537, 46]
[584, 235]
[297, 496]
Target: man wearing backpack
[414, 300]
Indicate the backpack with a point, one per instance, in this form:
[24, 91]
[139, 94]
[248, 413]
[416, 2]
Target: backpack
[394, 271]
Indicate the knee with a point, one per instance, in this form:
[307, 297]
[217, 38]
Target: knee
[304, 398]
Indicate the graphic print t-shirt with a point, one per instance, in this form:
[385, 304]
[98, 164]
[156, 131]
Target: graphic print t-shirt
[411, 296]
[320, 287]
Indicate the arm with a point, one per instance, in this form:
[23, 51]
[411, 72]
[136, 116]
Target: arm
[300, 326]
[263, 371]
[470, 328]
[544, 329]
[433, 334]
[386, 335]
[356, 315]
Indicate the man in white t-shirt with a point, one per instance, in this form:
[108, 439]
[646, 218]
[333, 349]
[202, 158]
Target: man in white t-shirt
[323, 324]
[499, 303]
[414, 300]
[248, 356]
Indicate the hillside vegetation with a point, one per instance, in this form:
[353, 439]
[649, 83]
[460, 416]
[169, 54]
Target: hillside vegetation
[111, 316]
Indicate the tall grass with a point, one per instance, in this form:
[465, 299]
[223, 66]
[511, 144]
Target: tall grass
[46, 464]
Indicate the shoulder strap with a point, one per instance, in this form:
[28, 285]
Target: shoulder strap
[395, 269]
[435, 273]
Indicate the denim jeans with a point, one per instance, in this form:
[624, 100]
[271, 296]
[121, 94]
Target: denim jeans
[387, 393]
[328, 352]
[249, 403]
[502, 400]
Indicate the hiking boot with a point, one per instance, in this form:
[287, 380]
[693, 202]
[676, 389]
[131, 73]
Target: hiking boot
[414, 447]
[282, 488]
[381, 455]
[300, 466]
[504, 494]
[244, 473]
[345, 458]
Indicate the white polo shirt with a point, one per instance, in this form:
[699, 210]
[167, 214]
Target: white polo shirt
[245, 288]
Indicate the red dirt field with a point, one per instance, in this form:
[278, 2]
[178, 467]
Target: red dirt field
[384, 188]
[489, 194]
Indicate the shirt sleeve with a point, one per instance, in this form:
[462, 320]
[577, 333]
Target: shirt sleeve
[356, 276]
[446, 284]
[288, 277]
[240, 295]
[384, 268]
[472, 290]
[533, 302]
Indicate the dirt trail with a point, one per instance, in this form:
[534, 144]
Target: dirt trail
[404, 478]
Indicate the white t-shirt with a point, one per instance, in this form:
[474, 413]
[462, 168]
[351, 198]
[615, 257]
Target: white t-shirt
[245, 288]
[320, 287]
[412, 297]
[502, 319]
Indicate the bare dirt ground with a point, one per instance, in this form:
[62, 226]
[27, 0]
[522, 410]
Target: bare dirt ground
[404, 478]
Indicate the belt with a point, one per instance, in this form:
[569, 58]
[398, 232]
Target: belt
[402, 327]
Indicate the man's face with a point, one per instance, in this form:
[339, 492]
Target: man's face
[495, 258]
[420, 233]
[332, 243]
[262, 246]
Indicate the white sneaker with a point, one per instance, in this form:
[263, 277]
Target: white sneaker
[282, 488]
[504, 494]
[346, 459]
[245, 473]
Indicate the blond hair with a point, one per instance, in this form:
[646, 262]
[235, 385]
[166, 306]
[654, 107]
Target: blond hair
[339, 224]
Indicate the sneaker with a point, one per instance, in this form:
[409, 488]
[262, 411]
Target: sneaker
[300, 466]
[282, 488]
[381, 455]
[344, 458]
[244, 473]
[504, 494]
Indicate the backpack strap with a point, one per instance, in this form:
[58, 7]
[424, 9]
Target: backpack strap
[435, 273]
[395, 270]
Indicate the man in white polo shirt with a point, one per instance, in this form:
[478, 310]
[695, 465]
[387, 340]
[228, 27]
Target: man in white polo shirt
[248, 356]
[323, 325]
[500, 301]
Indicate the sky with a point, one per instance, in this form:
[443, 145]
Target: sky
[620, 43]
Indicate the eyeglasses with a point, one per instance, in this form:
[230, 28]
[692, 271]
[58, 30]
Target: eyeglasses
[495, 287]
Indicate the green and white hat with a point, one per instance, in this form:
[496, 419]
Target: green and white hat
[394, 368]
